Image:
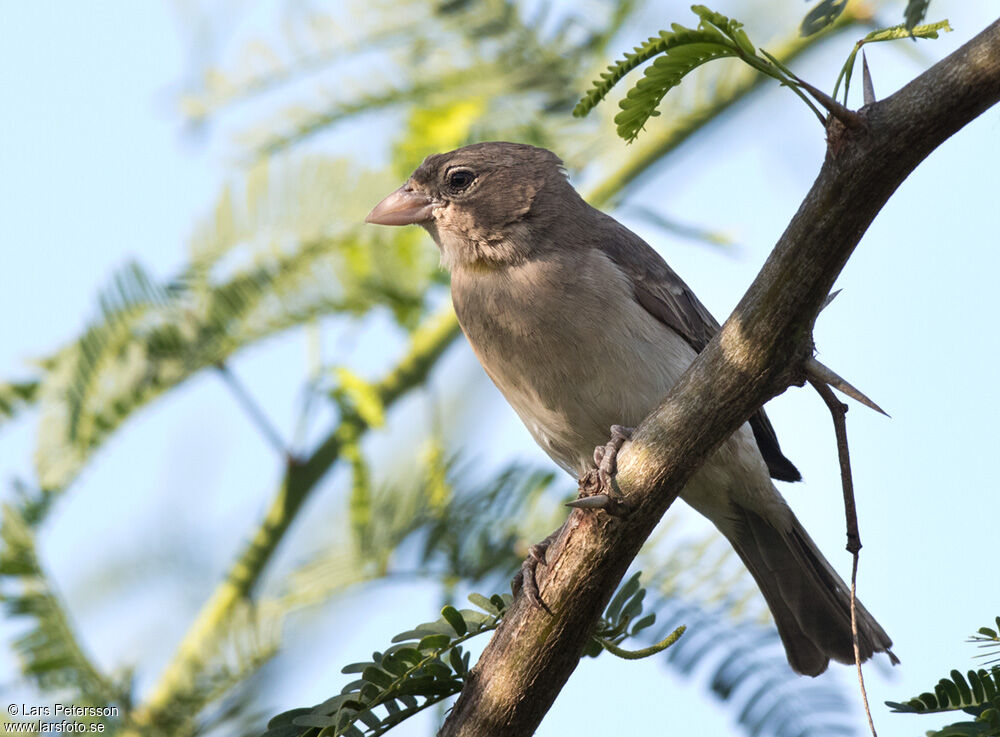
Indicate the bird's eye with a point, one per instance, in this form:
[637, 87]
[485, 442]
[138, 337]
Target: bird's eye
[460, 179]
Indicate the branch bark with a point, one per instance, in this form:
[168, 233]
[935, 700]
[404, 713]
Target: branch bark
[758, 354]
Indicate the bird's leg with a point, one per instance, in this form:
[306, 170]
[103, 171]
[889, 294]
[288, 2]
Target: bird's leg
[595, 493]
[525, 578]
[595, 484]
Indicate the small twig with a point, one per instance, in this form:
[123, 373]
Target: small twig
[857, 651]
[787, 82]
[305, 414]
[254, 410]
[866, 81]
[838, 411]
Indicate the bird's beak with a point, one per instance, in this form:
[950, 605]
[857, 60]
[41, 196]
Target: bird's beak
[405, 206]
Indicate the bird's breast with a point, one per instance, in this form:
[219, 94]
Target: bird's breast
[564, 339]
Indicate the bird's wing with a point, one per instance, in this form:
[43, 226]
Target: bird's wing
[667, 298]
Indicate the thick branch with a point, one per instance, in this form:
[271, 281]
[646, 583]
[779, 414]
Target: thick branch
[758, 353]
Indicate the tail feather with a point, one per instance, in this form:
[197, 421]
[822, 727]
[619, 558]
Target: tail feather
[809, 601]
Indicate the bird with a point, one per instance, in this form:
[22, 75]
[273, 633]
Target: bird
[582, 325]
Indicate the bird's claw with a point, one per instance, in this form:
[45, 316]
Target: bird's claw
[595, 493]
[596, 485]
[526, 580]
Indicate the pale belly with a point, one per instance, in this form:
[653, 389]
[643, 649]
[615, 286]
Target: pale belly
[574, 356]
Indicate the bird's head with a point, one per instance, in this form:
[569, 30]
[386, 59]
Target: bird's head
[484, 204]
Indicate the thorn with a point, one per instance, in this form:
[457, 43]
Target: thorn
[816, 370]
[829, 298]
[848, 117]
[866, 81]
[597, 501]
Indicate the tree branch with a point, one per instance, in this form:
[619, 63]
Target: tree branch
[757, 354]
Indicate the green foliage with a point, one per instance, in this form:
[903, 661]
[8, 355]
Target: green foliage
[743, 665]
[50, 652]
[951, 694]
[989, 639]
[463, 531]
[424, 665]
[731, 645]
[826, 12]
[680, 51]
[53, 658]
[886, 34]
[916, 11]
[624, 618]
[476, 536]
[16, 395]
[224, 671]
[486, 54]
[822, 16]
[150, 337]
[428, 664]
[977, 693]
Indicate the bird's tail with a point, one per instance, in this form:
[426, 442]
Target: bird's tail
[810, 603]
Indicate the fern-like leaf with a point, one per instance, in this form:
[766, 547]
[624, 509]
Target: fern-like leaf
[678, 52]
[15, 396]
[251, 640]
[822, 16]
[683, 50]
[977, 693]
[423, 666]
[664, 74]
[495, 54]
[747, 670]
[916, 11]
[893, 33]
[149, 336]
[608, 79]
[51, 654]
[989, 639]
[624, 617]
[428, 664]
[956, 692]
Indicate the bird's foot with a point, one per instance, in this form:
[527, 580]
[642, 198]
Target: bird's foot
[526, 579]
[596, 492]
[596, 485]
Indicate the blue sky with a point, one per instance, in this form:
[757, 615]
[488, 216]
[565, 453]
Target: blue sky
[96, 169]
